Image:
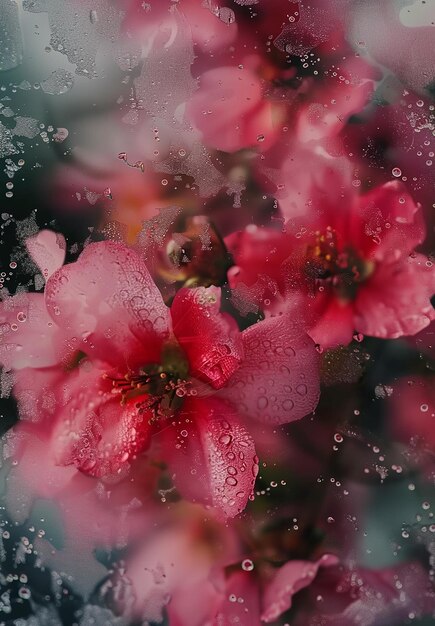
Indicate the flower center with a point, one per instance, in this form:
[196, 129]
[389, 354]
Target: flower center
[158, 388]
[328, 266]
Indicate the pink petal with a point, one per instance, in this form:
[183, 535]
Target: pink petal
[392, 224]
[211, 455]
[330, 108]
[258, 253]
[108, 301]
[47, 250]
[229, 111]
[244, 612]
[210, 339]
[288, 580]
[28, 335]
[395, 301]
[92, 430]
[335, 326]
[173, 569]
[278, 380]
[308, 179]
[35, 390]
[210, 29]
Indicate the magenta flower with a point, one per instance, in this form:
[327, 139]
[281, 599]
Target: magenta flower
[108, 365]
[352, 261]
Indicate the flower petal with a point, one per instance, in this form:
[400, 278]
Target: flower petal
[288, 580]
[210, 339]
[335, 326]
[229, 110]
[28, 336]
[109, 302]
[211, 455]
[278, 380]
[47, 250]
[92, 430]
[392, 224]
[241, 602]
[395, 301]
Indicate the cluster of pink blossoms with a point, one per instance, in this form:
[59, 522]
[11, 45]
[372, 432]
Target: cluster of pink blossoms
[162, 363]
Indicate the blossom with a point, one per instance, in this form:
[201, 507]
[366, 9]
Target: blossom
[231, 112]
[352, 260]
[261, 597]
[109, 365]
[347, 595]
[198, 572]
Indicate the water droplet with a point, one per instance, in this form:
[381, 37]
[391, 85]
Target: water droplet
[397, 172]
[288, 404]
[338, 438]
[24, 593]
[262, 402]
[247, 565]
[225, 439]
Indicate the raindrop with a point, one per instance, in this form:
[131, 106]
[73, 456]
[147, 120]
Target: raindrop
[225, 439]
[247, 565]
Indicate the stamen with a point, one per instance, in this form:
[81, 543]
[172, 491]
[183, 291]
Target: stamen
[163, 391]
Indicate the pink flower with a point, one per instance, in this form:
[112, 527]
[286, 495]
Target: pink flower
[196, 570]
[231, 112]
[357, 595]
[352, 259]
[108, 365]
[211, 26]
[179, 568]
[254, 597]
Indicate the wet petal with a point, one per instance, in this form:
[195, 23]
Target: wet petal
[278, 380]
[288, 580]
[47, 250]
[395, 301]
[211, 455]
[336, 324]
[391, 223]
[210, 339]
[229, 110]
[92, 430]
[28, 335]
[108, 301]
[243, 611]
